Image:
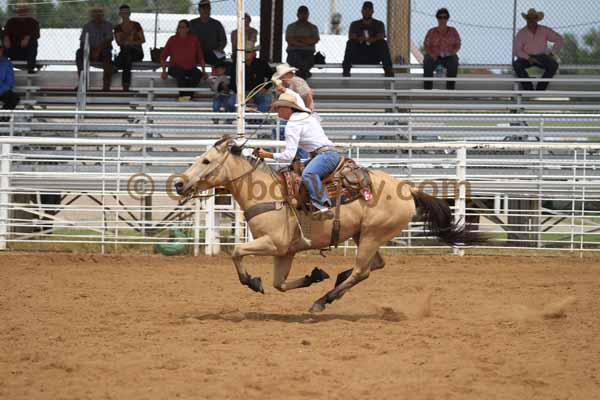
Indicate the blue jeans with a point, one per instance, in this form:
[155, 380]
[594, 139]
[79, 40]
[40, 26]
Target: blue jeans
[225, 101]
[263, 102]
[319, 167]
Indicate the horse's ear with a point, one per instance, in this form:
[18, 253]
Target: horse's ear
[236, 150]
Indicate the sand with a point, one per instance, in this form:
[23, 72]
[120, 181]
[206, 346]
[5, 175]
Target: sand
[76, 326]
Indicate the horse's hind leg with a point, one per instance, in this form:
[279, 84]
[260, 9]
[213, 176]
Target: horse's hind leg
[281, 269]
[366, 250]
[377, 262]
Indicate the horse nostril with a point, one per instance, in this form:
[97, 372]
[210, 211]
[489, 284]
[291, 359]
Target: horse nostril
[178, 186]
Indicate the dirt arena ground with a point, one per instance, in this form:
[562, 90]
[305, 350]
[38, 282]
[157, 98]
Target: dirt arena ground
[426, 327]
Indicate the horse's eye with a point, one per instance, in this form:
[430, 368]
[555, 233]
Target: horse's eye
[205, 161]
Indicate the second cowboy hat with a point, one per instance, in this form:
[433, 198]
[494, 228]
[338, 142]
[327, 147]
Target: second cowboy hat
[288, 100]
[281, 70]
[533, 15]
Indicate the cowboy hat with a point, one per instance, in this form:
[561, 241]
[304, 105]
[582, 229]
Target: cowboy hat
[533, 15]
[250, 46]
[288, 100]
[281, 70]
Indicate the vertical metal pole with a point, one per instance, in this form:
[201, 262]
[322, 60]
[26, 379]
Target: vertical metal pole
[4, 194]
[197, 227]
[156, 6]
[210, 226]
[241, 69]
[460, 212]
[272, 41]
[583, 183]
[103, 199]
[118, 196]
[514, 29]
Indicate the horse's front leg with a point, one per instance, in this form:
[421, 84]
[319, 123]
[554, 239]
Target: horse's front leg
[281, 269]
[262, 246]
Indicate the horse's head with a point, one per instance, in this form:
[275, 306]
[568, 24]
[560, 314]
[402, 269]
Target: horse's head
[208, 170]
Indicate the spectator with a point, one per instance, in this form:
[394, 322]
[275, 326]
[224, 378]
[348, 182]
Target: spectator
[220, 84]
[20, 37]
[531, 48]
[285, 78]
[100, 34]
[301, 37]
[250, 33]
[441, 45]
[210, 33]
[185, 54]
[257, 72]
[130, 37]
[7, 82]
[366, 44]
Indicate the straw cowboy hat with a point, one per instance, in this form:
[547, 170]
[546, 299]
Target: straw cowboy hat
[533, 15]
[288, 100]
[281, 70]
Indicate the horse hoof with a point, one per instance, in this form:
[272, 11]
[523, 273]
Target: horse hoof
[256, 284]
[316, 308]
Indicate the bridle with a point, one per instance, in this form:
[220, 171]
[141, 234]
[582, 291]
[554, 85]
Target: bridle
[213, 172]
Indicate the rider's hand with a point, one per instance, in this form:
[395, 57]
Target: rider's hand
[262, 153]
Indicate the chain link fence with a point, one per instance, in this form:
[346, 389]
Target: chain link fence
[486, 26]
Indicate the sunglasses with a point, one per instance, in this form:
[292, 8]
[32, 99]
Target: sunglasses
[442, 17]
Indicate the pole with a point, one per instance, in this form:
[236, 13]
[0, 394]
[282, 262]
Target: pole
[4, 195]
[156, 5]
[241, 70]
[514, 29]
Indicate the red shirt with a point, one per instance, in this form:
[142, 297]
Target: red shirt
[184, 52]
[442, 44]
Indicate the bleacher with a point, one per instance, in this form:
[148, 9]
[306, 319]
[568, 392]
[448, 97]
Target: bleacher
[478, 90]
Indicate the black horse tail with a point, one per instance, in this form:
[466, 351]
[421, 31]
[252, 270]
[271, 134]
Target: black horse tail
[438, 219]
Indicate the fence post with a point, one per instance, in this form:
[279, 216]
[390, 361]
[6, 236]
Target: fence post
[4, 194]
[460, 213]
[210, 226]
[197, 228]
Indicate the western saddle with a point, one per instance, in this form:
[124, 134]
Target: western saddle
[347, 183]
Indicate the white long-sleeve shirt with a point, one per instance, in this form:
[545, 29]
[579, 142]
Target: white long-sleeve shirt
[303, 131]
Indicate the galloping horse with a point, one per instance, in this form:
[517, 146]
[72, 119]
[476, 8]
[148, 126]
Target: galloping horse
[276, 231]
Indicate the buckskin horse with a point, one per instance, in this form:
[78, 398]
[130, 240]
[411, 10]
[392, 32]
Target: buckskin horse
[276, 231]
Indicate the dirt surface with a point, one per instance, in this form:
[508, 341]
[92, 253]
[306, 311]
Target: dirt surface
[426, 327]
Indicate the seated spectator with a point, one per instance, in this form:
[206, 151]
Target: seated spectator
[257, 72]
[531, 49]
[100, 34]
[210, 33]
[220, 84]
[7, 82]
[130, 37]
[285, 78]
[301, 37]
[366, 44]
[20, 37]
[250, 33]
[441, 45]
[185, 54]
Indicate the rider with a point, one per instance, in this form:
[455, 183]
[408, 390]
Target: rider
[304, 131]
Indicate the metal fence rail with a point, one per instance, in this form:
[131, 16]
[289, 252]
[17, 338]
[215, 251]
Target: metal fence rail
[533, 196]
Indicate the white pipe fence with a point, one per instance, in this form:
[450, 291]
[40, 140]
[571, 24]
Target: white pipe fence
[80, 192]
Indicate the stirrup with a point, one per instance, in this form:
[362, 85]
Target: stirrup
[322, 215]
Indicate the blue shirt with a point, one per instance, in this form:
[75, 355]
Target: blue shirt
[7, 75]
